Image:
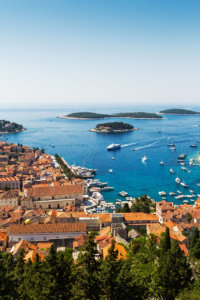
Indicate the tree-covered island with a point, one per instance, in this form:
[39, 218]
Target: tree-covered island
[10, 127]
[179, 111]
[91, 115]
[113, 127]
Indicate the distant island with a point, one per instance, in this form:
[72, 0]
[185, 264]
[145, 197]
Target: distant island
[113, 127]
[179, 111]
[93, 116]
[10, 127]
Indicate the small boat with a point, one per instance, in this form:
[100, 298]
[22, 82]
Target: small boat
[184, 168]
[113, 147]
[185, 201]
[193, 146]
[133, 149]
[144, 158]
[162, 193]
[179, 192]
[171, 145]
[191, 191]
[184, 184]
[177, 180]
[110, 170]
[182, 156]
[172, 194]
[171, 171]
[123, 194]
[107, 188]
[113, 158]
[162, 163]
[172, 148]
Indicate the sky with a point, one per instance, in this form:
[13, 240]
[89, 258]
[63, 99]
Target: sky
[99, 51]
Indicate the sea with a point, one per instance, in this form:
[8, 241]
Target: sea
[72, 140]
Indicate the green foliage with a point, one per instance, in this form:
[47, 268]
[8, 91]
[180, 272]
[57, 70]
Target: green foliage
[136, 115]
[195, 244]
[141, 204]
[165, 242]
[179, 111]
[67, 171]
[114, 126]
[87, 115]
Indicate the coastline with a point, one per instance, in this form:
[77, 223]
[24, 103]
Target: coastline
[113, 131]
[74, 118]
[8, 132]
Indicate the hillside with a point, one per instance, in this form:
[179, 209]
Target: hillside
[113, 127]
[137, 115]
[10, 127]
[86, 115]
[179, 111]
[131, 115]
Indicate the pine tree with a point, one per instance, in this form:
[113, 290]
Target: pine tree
[87, 280]
[174, 272]
[165, 242]
[19, 273]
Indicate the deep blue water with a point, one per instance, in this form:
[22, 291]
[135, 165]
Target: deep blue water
[77, 145]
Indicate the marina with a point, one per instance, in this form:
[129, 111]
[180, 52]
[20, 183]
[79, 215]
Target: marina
[88, 156]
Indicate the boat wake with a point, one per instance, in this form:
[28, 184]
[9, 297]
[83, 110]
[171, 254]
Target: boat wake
[146, 146]
[128, 145]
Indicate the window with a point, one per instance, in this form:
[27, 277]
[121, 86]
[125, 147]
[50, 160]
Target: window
[38, 198]
[45, 238]
[53, 198]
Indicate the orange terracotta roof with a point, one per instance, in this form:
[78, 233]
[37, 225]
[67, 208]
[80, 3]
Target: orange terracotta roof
[47, 228]
[55, 190]
[32, 254]
[156, 228]
[184, 248]
[44, 245]
[105, 230]
[4, 179]
[122, 254]
[139, 216]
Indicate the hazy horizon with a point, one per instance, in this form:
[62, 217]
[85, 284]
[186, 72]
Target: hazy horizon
[87, 52]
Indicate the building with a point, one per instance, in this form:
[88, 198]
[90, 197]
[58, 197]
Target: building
[11, 182]
[9, 198]
[57, 196]
[61, 234]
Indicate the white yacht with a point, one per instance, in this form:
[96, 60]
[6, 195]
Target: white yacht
[113, 147]
[110, 170]
[171, 171]
[177, 180]
[162, 193]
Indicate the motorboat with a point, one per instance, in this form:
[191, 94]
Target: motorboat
[184, 168]
[107, 188]
[177, 180]
[172, 148]
[179, 192]
[110, 170]
[123, 194]
[184, 184]
[193, 146]
[144, 158]
[171, 145]
[171, 171]
[182, 156]
[162, 193]
[113, 147]
[113, 158]
[162, 163]
[172, 194]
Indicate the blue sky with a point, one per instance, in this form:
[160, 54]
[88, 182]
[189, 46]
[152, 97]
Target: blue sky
[82, 51]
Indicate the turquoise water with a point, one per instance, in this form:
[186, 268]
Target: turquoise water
[77, 145]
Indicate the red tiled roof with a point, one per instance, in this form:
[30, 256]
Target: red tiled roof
[54, 190]
[47, 228]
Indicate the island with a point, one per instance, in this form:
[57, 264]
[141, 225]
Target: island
[179, 111]
[93, 116]
[10, 127]
[113, 127]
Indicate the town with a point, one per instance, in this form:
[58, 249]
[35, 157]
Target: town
[40, 206]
